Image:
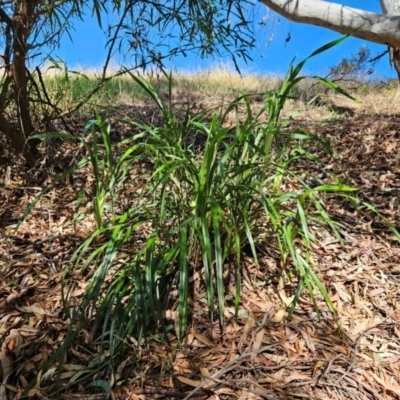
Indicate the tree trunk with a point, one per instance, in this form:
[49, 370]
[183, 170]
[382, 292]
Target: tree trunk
[392, 7]
[394, 54]
[23, 20]
[18, 141]
[19, 26]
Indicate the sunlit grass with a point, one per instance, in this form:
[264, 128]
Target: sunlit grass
[209, 87]
[218, 81]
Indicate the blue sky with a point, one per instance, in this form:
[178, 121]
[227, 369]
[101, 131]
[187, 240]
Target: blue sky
[269, 57]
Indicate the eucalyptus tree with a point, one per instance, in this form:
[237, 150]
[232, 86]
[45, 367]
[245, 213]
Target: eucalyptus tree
[144, 32]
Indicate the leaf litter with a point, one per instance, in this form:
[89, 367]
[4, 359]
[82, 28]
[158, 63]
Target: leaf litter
[260, 355]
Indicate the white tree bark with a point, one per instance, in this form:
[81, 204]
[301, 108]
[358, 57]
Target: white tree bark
[379, 28]
[390, 7]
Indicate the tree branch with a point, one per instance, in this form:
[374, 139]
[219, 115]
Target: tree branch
[5, 18]
[374, 27]
[53, 6]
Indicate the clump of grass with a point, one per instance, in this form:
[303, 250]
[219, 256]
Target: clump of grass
[203, 205]
[198, 207]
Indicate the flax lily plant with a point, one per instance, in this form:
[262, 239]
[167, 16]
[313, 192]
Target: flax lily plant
[206, 185]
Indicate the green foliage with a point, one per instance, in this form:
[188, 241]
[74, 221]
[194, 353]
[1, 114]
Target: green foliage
[155, 31]
[146, 33]
[209, 186]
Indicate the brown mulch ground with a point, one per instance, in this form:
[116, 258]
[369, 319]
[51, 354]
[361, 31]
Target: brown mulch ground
[262, 355]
